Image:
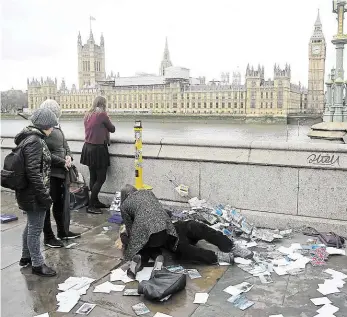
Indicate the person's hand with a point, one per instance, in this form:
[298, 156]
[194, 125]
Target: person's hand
[68, 161]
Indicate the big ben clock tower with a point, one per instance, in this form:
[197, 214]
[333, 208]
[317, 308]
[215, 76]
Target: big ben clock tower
[316, 72]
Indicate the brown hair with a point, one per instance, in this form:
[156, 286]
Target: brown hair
[99, 105]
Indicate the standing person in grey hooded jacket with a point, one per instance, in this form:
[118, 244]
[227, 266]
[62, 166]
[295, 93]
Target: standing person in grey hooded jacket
[60, 151]
[35, 199]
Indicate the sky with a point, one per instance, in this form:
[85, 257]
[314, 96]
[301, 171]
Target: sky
[39, 37]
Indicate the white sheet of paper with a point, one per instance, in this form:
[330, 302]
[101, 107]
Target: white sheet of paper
[333, 251]
[161, 315]
[107, 287]
[295, 256]
[335, 282]
[232, 290]
[320, 315]
[327, 289]
[280, 262]
[285, 250]
[336, 274]
[67, 300]
[276, 315]
[144, 274]
[280, 270]
[42, 315]
[251, 244]
[223, 263]
[120, 275]
[328, 309]
[201, 298]
[320, 301]
[295, 246]
[242, 261]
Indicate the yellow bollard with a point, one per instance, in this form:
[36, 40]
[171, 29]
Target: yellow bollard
[138, 157]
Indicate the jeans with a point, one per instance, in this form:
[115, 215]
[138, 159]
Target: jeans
[31, 237]
[97, 179]
[57, 195]
[190, 232]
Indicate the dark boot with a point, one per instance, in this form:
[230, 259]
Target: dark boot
[70, 235]
[43, 270]
[99, 204]
[24, 262]
[53, 243]
[94, 210]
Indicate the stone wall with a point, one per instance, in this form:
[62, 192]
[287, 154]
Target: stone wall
[274, 184]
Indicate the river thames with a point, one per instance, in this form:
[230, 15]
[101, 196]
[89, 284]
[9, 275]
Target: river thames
[208, 129]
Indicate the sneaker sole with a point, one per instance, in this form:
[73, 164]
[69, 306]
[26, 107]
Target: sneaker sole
[54, 246]
[44, 275]
[69, 238]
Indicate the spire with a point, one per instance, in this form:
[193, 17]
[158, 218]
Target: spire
[318, 33]
[91, 37]
[166, 51]
[102, 40]
[318, 22]
[166, 62]
[79, 39]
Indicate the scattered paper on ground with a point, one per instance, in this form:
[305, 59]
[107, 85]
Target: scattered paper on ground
[144, 274]
[333, 251]
[265, 279]
[238, 289]
[131, 292]
[120, 275]
[223, 263]
[320, 301]
[107, 287]
[276, 315]
[140, 309]
[201, 298]
[336, 274]
[193, 273]
[67, 300]
[161, 315]
[328, 310]
[240, 301]
[85, 309]
[242, 261]
[42, 315]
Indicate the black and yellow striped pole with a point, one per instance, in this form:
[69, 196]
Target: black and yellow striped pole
[138, 157]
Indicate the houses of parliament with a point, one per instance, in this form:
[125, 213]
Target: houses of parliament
[172, 90]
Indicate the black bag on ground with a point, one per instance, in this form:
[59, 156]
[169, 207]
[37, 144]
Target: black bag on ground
[79, 192]
[162, 284]
[330, 239]
[13, 174]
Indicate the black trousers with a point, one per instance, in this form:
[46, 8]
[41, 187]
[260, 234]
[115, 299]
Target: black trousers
[97, 179]
[153, 247]
[57, 195]
[190, 233]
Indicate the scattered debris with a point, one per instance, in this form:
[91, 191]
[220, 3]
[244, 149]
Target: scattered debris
[120, 275]
[240, 301]
[182, 190]
[238, 289]
[201, 298]
[107, 287]
[131, 292]
[42, 315]
[161, 315]
[144, 274]
[85, 309]
[193, 273]
[320, 301]
[8, 218]
[140, 309]
[71, 245]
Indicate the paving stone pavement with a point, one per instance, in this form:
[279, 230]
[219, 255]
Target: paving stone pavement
[26, 295]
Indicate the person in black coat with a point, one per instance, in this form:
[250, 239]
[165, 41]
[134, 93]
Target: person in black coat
[35, 199]
[59, 187]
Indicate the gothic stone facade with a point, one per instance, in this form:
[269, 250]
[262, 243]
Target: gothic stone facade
[255, 97]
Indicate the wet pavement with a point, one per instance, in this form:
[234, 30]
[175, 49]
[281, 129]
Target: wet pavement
[27, 295]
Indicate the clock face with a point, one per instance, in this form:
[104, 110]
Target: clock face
[316, 49]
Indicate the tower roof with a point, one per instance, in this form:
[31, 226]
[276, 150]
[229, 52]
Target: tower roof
[318, 32]
[166, 51]
[166, 62]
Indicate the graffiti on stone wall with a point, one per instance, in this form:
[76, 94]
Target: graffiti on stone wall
[323, 159]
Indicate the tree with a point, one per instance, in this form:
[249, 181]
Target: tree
[13, 100]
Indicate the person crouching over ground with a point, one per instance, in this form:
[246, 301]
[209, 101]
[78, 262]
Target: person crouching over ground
[149, 228]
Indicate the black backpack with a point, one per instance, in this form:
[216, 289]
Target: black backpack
[13, 174]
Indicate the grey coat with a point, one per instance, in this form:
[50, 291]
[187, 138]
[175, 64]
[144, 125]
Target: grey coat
[59, 148]
[144, 215]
